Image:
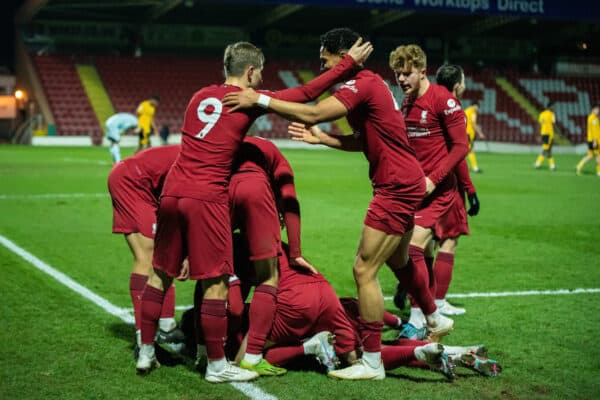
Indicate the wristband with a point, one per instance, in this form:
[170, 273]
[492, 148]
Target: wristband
[263, 101]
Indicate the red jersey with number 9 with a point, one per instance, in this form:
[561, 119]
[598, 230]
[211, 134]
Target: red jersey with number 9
[211, 136]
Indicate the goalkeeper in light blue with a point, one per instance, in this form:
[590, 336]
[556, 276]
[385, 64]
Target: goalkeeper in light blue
[117, 125]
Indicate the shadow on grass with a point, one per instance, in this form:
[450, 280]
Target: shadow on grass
[126, 333]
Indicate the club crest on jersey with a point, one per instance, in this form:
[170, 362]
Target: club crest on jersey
[452, 107]
[423, 117]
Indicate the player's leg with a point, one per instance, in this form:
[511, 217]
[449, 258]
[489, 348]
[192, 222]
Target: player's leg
[473, 161]
[416, 278]
[444, 266]
[374, 249]
[261, 315]
[597, 162]
[551, 163]
[167, 258]
[540, 158]
[114, 150]
[142, 248]
[588, 156]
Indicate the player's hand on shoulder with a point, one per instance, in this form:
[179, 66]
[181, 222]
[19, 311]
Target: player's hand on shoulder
[473, 204]
[302, 263]
[243, 99]
[360, 51]
[301, 133]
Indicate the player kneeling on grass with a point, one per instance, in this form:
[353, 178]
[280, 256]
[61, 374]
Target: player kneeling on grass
[135, 185]
[117, 125]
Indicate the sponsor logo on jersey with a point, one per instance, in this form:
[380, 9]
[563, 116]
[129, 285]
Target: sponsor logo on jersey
[424, 117]
[414, 132]
[452, 107]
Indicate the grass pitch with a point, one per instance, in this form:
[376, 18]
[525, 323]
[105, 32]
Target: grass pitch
[537, 230]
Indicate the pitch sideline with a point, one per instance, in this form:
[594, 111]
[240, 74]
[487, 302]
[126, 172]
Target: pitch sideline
[251, 391]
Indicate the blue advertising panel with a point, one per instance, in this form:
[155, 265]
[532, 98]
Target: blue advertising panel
[556, 9]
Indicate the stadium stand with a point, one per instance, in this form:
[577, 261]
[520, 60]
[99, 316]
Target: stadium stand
[129, 80]
[70, 106]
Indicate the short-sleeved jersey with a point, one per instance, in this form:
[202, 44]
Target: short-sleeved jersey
[118, 123]
[145, 112]
[375, 117]
[211, 137]
[593, 128]
[547, 120]
[471, 115]
[428, 120]
[150, 167]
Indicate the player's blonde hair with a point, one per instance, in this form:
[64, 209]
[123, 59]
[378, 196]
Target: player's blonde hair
[239, 56]
[410, 55]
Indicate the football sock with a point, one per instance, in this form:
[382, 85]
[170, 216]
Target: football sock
[235, 310]
[396, 356]
[136, 288]
[373, 359]
[213, 319]
[444, 265]
[473, 161]
[539, 160]
[598, 170]
[417, 319]
[370, 334]
[168, 308]
[430, 271]
[551, 163]
[152, 299]
[262, 313]
[115, 152]
[415, 280]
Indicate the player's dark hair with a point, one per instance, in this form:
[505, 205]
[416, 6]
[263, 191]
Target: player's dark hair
[595, 105]
[550, 104]
[239, 56]
[339, 39]
[475, 103]
[449, 75]
[155, 97]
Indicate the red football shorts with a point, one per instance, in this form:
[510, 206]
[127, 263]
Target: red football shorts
[305, 310]
[392, 210]
[134, 207]
[197, 229]
[454, 223]
[437, 205]
[254, 212]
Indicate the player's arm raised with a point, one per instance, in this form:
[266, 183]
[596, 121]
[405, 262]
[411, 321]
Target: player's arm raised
[314, 135]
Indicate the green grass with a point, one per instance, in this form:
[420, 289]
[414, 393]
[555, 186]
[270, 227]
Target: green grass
[537, 230]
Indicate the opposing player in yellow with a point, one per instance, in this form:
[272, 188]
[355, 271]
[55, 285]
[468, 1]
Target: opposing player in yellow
[472, 129]
[547, 119]
[145, 112]
[593, 139]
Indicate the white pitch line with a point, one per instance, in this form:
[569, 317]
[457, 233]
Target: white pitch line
[87, 161]
[555, 292]
[50, 196]
[251, 391]
[68, 282]
[488, 294]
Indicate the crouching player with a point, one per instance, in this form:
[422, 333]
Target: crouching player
[117, 125]
[135, 185]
